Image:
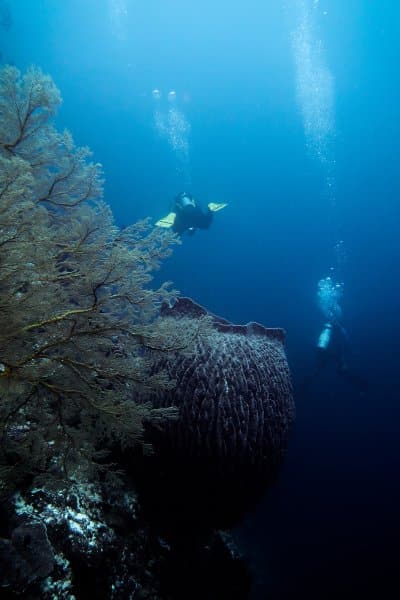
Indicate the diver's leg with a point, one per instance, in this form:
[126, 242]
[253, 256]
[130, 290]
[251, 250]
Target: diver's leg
[352, 378]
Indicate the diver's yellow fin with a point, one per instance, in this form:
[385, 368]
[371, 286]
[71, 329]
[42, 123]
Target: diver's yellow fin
[167, 221]
[214, 207]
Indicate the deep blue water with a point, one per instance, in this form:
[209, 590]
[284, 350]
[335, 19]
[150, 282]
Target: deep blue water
[331, 524]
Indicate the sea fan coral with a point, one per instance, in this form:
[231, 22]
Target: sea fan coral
[75, 307]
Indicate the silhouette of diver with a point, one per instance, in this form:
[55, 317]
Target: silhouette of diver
[333, 342]
[332, 347]
[188, 216]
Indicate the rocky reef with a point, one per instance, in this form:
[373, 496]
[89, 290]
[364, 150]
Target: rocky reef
[162, 531]
[93, 541]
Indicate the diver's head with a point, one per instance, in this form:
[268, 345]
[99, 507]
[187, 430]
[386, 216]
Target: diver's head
[184, 199]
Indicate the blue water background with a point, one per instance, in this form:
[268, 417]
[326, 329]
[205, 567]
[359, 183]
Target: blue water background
[332, 520]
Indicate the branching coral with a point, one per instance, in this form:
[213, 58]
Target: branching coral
[75, 307]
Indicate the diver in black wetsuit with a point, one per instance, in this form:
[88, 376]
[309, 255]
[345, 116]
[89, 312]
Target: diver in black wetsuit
[189, 216]
[333, 342]
[331, 348]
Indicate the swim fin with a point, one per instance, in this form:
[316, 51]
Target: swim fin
[214, 207]
[167, 221]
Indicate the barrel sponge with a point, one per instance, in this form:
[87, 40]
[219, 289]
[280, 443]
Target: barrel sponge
[234, 392]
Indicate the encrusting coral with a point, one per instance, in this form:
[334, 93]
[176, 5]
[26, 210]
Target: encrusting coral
[75, 308]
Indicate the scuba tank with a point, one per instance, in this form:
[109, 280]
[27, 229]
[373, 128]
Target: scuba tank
[325, 337]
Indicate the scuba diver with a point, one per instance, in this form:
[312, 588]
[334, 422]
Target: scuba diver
[187, 215]
[333, 341]
[331, 347]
